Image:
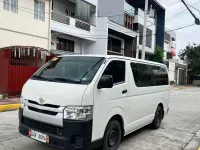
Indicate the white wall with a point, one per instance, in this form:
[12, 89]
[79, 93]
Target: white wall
[21, 28]
[100, 44]
[172, 70]
[8, 38]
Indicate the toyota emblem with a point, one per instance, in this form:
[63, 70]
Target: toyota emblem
[41, 101]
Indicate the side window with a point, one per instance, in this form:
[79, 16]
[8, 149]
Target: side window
[161, 75]
[149, 75]
[142, 74]
[117, 70]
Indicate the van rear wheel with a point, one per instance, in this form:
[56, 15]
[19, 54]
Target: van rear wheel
[158, 118]
[112, 136]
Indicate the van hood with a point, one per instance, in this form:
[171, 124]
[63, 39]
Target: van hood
[62, 94]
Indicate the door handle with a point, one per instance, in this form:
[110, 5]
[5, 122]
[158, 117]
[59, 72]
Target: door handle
[124, 91]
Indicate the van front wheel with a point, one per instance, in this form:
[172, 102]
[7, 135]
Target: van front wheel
[112, 136]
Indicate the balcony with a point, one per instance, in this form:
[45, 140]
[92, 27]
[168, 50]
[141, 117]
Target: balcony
[130, 10]
[60, 18]
[69, 21]
[77, 13]
[82, 25]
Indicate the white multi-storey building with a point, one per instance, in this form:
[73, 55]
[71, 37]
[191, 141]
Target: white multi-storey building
[25, 23]
[81, 26]
[170, 45]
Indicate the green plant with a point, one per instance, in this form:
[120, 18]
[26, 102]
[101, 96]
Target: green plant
[191, 54]
[158, 55]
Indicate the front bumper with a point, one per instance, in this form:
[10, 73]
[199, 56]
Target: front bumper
[75, 134]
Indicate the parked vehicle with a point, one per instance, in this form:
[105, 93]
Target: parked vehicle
[82, 102]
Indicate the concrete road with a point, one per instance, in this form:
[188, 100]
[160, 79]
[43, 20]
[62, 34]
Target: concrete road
[180, 128]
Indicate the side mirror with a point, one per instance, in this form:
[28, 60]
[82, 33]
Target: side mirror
[105, 82]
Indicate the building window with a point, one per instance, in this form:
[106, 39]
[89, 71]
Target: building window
[117, 70]
[148, 35]
[69, 13]
[39, 10]
[128, 21]
[149, 38]
[66, 45]
[114, 46]
[148, 75]
[11, 5]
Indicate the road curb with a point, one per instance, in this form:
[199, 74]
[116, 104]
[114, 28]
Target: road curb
[9, 107]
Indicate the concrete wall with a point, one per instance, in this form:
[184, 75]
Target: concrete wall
[100, 45]
[21, 28]
[172, 69]
[112, 8]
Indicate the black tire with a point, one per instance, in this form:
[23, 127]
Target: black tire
[112, 136]
[158, 118]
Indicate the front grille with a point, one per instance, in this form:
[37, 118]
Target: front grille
[46, 105]
[43, 127]
[43, 111]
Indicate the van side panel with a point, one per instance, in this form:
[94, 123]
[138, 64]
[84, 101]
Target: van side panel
[143, 103]
[108, 103]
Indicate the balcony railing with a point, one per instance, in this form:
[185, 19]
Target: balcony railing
[82, 25]
[60, 18]
[129, 9]
[70, 21]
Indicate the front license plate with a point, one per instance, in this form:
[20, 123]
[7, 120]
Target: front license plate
[38, 136]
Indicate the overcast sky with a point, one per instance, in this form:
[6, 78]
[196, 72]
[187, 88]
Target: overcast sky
[187, 35]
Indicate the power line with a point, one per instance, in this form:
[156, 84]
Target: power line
[92, 36]
[195, 8]
[172, 4]
[182, 11]
[182, 27]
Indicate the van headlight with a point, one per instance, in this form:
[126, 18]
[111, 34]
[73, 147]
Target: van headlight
[22, 102]
[78, 112]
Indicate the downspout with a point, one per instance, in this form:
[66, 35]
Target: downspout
[137, 45]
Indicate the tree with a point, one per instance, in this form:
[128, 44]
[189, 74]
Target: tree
[158, 55]
[191, 54]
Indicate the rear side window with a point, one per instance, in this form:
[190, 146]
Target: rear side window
[149, 75]
[117, 70]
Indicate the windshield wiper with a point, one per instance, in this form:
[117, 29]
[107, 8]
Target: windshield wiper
[64, 80]
[41, 78]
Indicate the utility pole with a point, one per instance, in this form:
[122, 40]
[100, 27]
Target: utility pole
[197, 21]
[144, 30]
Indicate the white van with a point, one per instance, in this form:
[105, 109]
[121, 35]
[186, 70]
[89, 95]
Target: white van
[83, 102]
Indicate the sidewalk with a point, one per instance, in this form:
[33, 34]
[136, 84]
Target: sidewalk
[9, 104]
[180, 87]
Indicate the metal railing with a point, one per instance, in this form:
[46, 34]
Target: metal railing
[60, 18]
[82, 25]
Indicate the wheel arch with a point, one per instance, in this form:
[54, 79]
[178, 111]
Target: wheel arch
[117, 114]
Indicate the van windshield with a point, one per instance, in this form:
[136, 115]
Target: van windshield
[72, 69]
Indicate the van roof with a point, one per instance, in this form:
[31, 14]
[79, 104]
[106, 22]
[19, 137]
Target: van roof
[116, 56]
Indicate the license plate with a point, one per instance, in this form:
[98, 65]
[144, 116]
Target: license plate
[38, 136]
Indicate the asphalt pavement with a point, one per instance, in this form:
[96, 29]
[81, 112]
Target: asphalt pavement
[180, 129]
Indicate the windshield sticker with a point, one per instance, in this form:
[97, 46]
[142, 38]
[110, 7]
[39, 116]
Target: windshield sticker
[54, 59]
